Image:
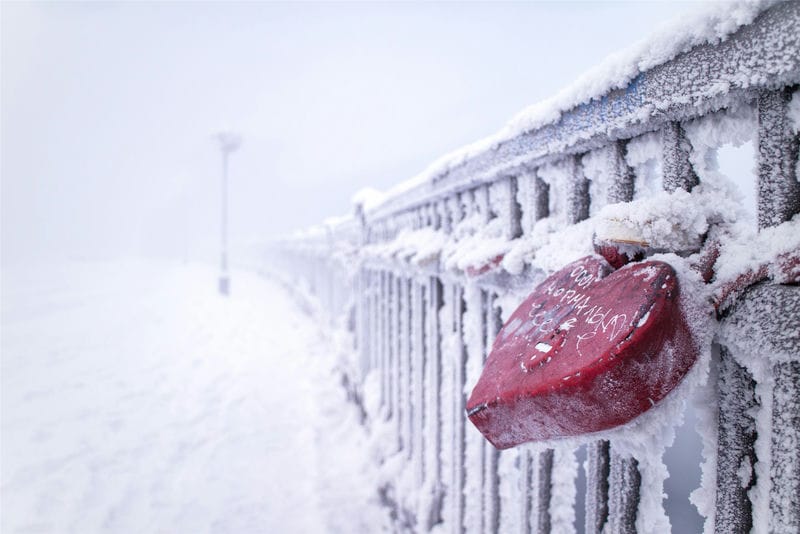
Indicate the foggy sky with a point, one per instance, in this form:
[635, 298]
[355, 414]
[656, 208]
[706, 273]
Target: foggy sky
[108, 109]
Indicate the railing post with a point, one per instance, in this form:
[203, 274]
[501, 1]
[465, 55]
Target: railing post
[784, 503]
[621, 188]
[459, 403]
[491, 502]
[418, 369]
[397, 371]
[433, 402]
[513, 212]
[405, 336]
[476, 444]
[543, 471]
[391, 355]
[678, 171]
[598, 470]
[370, 319]
[778, 189]
[541, 198]
[625, 482]
[383, 352]
[735, 446]
[577, 192]
[779, 201]
[482, 203]
[605, 469]
[768, 313]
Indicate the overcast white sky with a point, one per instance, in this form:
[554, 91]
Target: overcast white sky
[108, 109]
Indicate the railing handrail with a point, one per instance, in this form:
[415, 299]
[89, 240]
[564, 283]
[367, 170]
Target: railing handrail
[762, 55]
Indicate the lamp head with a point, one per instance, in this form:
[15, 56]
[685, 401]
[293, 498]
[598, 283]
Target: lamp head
[228, 141]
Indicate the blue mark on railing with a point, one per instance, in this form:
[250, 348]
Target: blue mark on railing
[608, 107]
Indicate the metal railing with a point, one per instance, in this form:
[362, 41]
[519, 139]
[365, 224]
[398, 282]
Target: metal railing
[424, 320]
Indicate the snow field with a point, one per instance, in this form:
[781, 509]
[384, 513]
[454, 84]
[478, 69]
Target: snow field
[135, 399]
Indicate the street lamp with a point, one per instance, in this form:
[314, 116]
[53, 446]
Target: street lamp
[228, 142]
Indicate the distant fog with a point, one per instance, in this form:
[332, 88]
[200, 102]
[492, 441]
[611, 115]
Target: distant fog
[108, 109]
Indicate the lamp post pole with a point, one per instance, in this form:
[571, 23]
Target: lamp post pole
[228, 142]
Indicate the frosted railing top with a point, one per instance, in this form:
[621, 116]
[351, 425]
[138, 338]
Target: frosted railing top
[729, 51]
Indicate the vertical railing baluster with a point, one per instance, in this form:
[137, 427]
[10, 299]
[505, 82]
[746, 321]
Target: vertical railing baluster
[623, 177]
[778, 201]
[434, 387]
[621, 189]
[784, 505]
[479, 471]
[625, 482]
[778, 190]
[598, 464]
[391, 356]
[541, 198]
[577, 192]
[491, 455]
[370, 319]
[678, 171]
[736, 439]
[543, 474]
[514, 229]
[525, 483]
[397, 398]
[382, 346]
[459, 403]
[408, 405]
[536, 466]
[482, 202]
[418, 370]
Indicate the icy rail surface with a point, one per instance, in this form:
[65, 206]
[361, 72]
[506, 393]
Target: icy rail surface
[135, 399]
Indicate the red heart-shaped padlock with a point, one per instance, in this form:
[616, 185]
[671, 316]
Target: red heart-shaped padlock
[586, 351]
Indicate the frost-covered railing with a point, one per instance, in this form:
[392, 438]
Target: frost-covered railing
[429, 274]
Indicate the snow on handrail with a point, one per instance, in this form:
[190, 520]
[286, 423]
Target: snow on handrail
[686, 70]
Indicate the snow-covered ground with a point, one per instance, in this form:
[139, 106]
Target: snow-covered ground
[135, 399]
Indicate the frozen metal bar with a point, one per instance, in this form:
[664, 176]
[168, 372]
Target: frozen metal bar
[405, 335]
[398, 356]
[525, 485]
[513, 210]
[417, 371]
[735, 446]
[778, 191]
[624, 493]
[784, 503]
[370, 320]
[491, 492]
[577, 192]
[678, 171]
[391, 355]
[383, 368]
[541, 198]
[598, 468]
[543, 490]
[767, 313]
[479, 471]
[459, 403]
[621, 188]
[778, 201]
[434, 414]
[482, 202]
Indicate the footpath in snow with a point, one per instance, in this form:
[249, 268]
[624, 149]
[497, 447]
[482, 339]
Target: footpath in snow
[135, 399]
